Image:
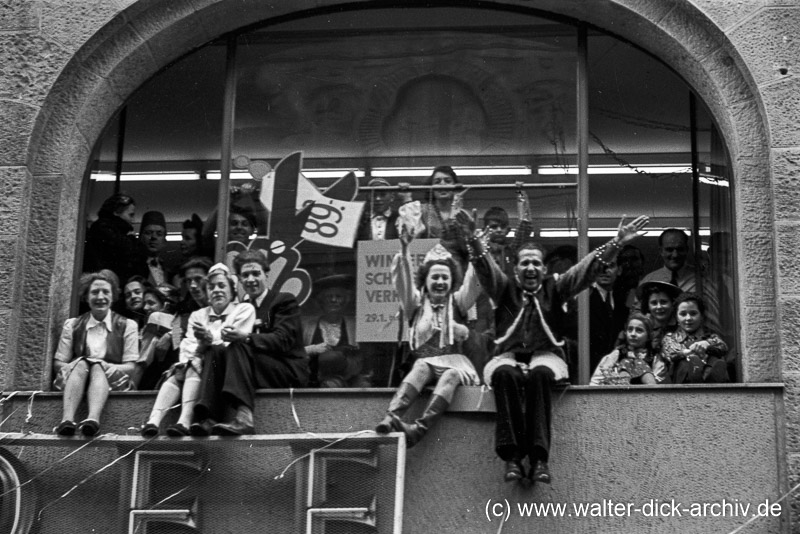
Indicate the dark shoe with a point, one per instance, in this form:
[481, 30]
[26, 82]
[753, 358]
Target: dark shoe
[149, 430]
[414, 432]
[89, 428]
[66, 428]
[385, 426]
[241, 425]
[202, 429]
[514, 471]
[177, 431]
[540, 472]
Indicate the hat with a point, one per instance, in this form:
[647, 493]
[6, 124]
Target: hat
[378, 182]
[345, 281]
[664, 287]
[153, 218]
[438, 252]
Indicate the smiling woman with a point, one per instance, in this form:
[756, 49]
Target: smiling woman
[97, 352]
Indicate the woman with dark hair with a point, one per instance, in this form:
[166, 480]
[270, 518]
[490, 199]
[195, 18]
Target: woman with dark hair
[696, 352]
[97, 352]
[657, 301]
[191, 238]
[434, 218]
[443, 204]
[436, 303]
[111, 242]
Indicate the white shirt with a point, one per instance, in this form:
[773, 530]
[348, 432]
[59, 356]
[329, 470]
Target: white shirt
[241, 316]
[605, 295]
[379, 221]
[96, 336]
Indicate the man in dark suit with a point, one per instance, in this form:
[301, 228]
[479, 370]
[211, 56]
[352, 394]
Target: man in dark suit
[272, 356]
[380, 220]
[607, 313]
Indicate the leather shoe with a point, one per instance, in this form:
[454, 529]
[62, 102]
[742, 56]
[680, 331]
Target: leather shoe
[66, 428]
[149, 430]
[177, 431]
[202, 428]
[514, 471]
[89, 428]
[234, 428]
[541, 472]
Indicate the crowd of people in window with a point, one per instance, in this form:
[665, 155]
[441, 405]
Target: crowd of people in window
[482, 308]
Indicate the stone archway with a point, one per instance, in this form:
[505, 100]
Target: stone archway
[149, 34]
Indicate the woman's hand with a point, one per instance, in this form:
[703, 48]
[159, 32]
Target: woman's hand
[202, 334]
[466, 223]
[231, 334]
[628, 232]
[699, 348]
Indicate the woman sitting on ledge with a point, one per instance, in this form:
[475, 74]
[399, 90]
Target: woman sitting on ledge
[437, 307]
[97, 352]
[207, 327]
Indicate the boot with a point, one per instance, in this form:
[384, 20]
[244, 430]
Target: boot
[403, 397]
[241, 424]
[414, 432]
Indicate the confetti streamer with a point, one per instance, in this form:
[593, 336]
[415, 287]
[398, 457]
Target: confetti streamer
[79, 484]
[348, 436]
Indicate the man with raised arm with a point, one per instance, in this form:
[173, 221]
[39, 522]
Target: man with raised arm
[529, 358]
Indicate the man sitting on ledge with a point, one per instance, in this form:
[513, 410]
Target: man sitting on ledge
[271, 357]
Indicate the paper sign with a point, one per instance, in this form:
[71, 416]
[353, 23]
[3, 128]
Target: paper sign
[377, 301]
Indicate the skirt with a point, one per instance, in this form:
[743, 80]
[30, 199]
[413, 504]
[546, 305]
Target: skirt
[117, 380]
[466, 371]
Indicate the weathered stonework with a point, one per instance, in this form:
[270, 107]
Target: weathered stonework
[788, 238]
[768, 40]
[786, 168]
[782, 103]
[67, 67]
[790, 333]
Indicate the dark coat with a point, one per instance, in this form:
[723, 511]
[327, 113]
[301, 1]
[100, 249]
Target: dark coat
[111, 245]
[365, 227]
[604, 324]
[278, 333]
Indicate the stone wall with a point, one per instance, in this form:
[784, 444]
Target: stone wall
[610, 445]
[66, 67]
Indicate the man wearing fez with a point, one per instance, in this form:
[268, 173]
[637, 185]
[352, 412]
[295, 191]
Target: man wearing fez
[272, 356]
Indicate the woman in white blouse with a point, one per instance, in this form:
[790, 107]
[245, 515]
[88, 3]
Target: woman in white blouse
[205, 329]
[97, 352]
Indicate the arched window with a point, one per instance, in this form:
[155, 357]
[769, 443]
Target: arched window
[586, 126]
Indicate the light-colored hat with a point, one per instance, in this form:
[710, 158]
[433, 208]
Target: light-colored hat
[438, 252]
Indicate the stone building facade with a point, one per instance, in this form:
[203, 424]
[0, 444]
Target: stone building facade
[67, 67]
